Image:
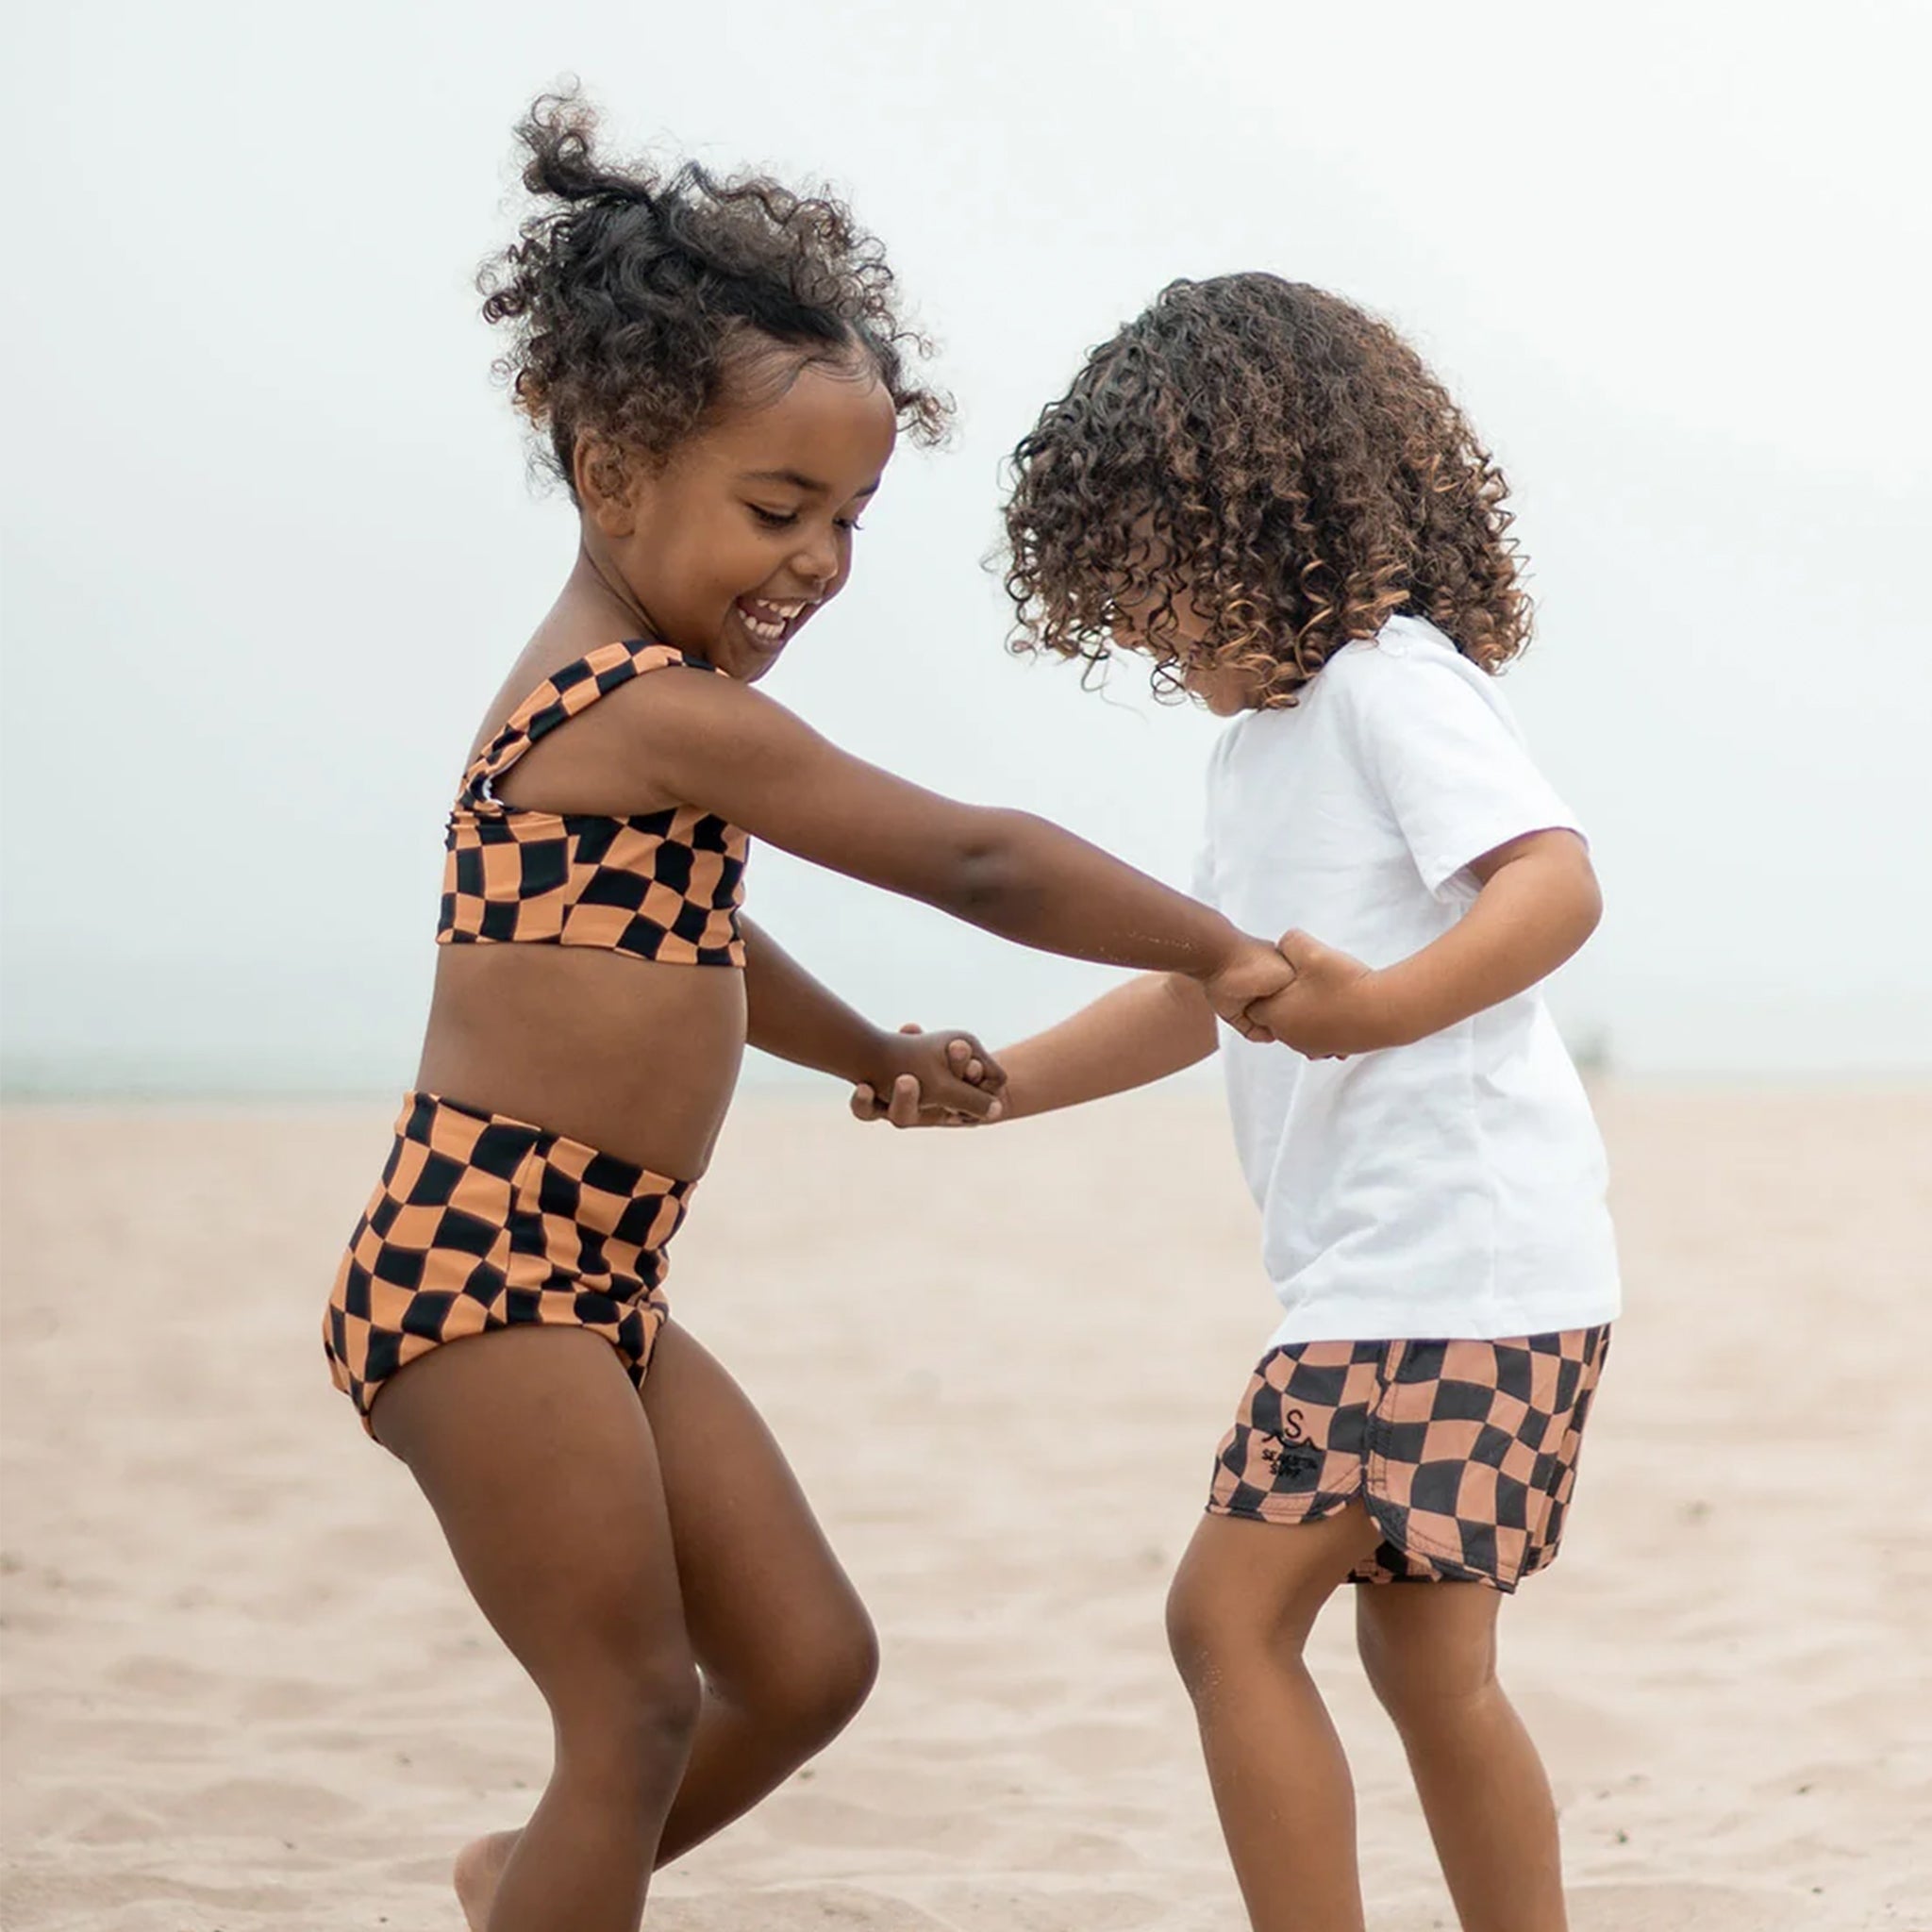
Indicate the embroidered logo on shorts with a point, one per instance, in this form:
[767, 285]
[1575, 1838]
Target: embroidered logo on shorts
[1291, 1463]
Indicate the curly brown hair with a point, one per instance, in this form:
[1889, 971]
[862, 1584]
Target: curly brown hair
[642, 301]
[1285, 461]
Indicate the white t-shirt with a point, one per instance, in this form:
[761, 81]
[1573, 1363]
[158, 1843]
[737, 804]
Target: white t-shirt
[1454, 1187]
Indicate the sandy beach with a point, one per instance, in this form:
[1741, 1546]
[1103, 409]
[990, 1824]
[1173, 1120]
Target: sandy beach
[244, 1689]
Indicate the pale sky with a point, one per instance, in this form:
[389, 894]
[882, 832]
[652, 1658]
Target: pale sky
[270, 544]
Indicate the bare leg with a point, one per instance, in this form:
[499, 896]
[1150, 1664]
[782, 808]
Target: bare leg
[1239, 1614]
[1430, 1651]
[787, 1649]
[538, 1460]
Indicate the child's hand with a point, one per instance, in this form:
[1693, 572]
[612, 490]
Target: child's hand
[944, 1080]
[1331, 1008]
[1241, 987]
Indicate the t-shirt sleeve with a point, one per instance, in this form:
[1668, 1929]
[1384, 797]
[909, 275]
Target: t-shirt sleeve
[1201, 882]
[1450, 763]
[1201, 885]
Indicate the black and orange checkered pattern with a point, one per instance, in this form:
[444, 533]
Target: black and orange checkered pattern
[1464, 1452]
[666, 886]
[481, 1222]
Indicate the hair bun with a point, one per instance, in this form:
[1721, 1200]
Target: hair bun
[559, 132]
[628, 330]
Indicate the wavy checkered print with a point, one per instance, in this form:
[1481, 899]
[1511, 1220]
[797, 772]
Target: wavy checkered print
[1464, 1451]
[665, 886]
[481, 1222]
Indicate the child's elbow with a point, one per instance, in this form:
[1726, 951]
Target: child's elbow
[985, 875]
[1587, 894]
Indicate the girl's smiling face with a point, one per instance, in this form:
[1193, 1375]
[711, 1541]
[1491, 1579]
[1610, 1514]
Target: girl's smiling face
[740, 538]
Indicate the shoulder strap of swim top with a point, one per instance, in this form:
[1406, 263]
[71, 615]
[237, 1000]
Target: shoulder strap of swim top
[560, 697]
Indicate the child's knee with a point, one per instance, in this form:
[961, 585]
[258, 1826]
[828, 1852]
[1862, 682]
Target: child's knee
[631, 1714]
[666, 1699]
[1416, 1667]
[808, 1689]
[1247, 1593]
[827, 1682]
[1209, 1629]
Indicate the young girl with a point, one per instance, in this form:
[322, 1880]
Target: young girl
[722, 377]
[1263, 491]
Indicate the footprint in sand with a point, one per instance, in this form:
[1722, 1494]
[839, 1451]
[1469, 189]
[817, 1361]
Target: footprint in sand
[1017, 1907]
[165, 1676]
[807, 1818]
[1095, 1749]
[276, 1700]
[1683, 1909]
[264, 1807]
[796, 1909]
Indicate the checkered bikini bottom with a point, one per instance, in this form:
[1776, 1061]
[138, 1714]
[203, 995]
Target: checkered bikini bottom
[481, 1222]
[1464, 1453]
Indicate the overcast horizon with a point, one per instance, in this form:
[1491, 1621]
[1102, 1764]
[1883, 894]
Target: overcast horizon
[269, 540]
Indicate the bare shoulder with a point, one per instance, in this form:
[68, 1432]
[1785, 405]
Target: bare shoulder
[681, 737]
[638, 748]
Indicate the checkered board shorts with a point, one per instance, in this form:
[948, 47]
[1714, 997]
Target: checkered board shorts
[481, 1222]
[1464, 1453]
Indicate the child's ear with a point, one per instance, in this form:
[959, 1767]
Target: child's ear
[605, 483]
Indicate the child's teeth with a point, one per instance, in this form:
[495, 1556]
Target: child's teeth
[768, 619]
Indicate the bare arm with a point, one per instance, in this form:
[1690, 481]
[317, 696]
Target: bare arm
[1144, 1031]
[1539, 902]
[1140, 1032]
[794, 1016]
[722, 747]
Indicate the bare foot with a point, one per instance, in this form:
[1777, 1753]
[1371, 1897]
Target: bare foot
[478, 1872]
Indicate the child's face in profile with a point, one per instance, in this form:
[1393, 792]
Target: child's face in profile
[745, 533]
[1224, 692]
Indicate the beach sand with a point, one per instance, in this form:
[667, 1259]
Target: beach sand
[244, 1689]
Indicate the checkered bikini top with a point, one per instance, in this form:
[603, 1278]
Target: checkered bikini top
[664, 886]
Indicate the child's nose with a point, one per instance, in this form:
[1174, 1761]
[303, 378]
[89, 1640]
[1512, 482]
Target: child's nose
[817, 561]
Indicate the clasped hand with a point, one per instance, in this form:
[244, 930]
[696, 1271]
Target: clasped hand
[1331, 1006]
[937, 1079]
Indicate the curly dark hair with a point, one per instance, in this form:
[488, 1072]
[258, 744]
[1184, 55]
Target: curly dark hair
[1283, 459]
[642, 300]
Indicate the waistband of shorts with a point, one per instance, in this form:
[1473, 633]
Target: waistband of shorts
[501, 1145]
